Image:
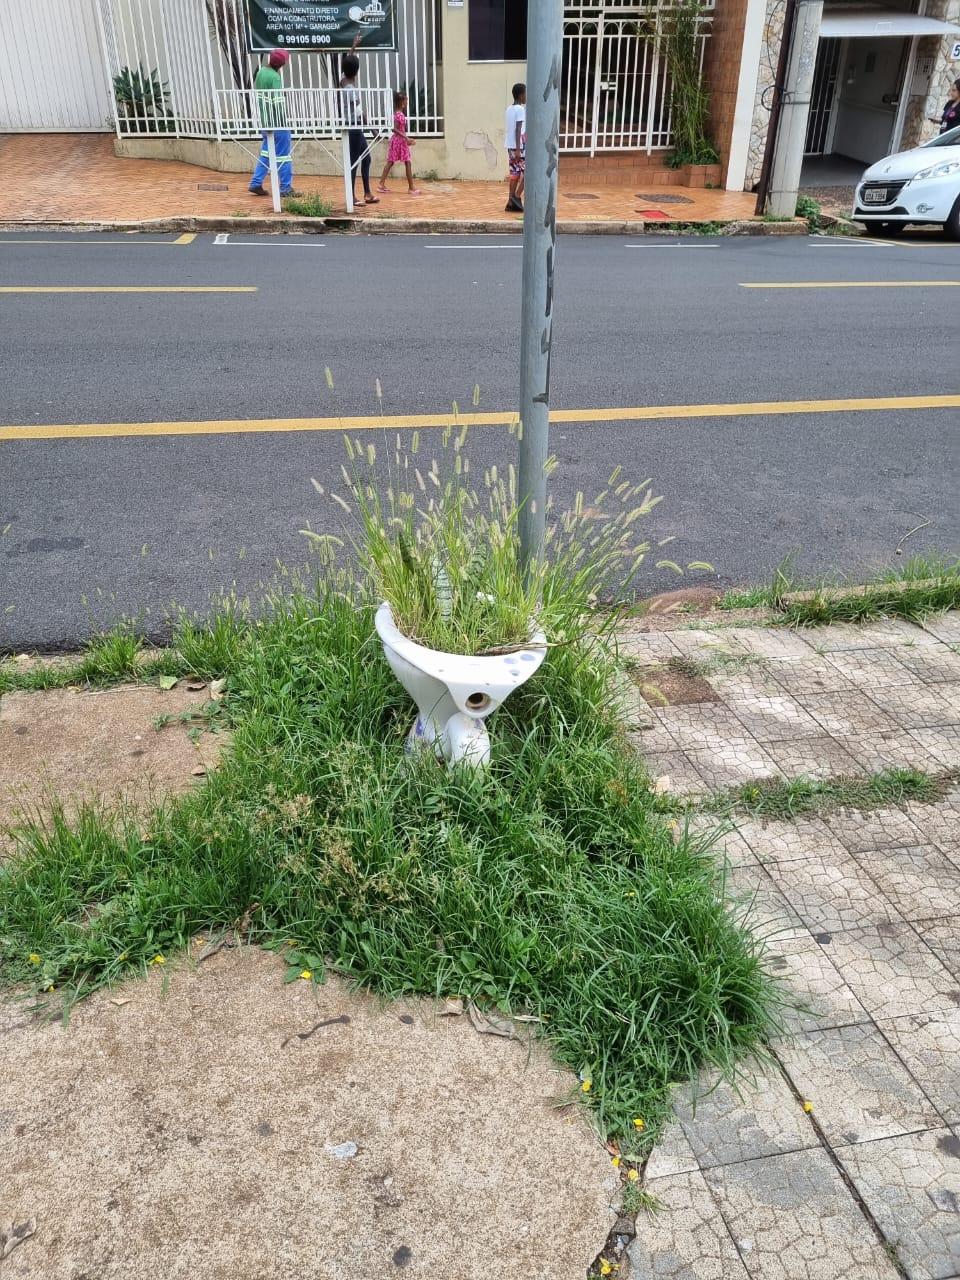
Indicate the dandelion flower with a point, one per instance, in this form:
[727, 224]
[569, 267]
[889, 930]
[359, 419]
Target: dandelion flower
[632, 1175]
[306, 974]
[638, 1124]
[49, 987]
[158, 960]
[615, 1162]
[33, 958]
[807, 1106]
[586, 1086]
[605, 1267]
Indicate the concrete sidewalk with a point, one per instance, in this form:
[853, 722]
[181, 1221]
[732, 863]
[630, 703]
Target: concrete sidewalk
[77, 177]
[137, 1134]
[843, 1159]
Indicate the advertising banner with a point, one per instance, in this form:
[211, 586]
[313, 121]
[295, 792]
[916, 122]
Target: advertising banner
[318, 26]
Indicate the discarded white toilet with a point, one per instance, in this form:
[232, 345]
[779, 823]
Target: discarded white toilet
[455, 693]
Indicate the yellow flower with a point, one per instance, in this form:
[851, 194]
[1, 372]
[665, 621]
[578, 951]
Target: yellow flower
[605, 1267]
[807, 1106]
[586, 1086]
[33, 958]
[49, 987]
[306, 974]
[122, 956]
[638, 1123]
[158, 960]
[615, 1162]
[632, 1175]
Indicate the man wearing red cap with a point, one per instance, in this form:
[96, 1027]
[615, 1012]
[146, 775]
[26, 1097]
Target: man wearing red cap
[273, 118]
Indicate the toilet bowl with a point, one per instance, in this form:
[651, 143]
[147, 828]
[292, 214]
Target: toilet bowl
[455, 693]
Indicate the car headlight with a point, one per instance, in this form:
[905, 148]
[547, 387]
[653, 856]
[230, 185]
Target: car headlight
[937, 171]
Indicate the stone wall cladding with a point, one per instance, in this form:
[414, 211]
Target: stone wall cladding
[766, 77]
[917, 125]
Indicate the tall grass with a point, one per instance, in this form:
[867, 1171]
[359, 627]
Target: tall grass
[442, 547]
[548, 886]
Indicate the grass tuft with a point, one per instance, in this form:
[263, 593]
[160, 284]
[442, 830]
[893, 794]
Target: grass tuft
[922, 585]
[770, 798]
[311, 205]
[549, 886]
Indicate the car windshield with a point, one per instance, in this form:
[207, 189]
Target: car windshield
[949, 139]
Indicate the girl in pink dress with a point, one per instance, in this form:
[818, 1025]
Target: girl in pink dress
[400, 145]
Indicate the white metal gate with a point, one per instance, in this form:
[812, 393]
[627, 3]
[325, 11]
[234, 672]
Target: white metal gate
[615, 91]
[823, 95]
[198, 50]
[53, 77]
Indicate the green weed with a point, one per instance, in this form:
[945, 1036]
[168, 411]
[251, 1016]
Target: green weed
[744, 598]
[920, 586]
[311, 205]
[810, 209]
[769, 798]
[548, 886]
[637, 1199]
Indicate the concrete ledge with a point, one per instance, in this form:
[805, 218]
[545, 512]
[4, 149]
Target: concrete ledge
[289, 224]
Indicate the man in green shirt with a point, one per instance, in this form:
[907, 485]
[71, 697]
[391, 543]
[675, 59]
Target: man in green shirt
[273, 118]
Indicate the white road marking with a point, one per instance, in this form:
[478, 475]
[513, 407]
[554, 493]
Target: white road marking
[257, 244]
[222, 238]
[672, 245]
[455, 247]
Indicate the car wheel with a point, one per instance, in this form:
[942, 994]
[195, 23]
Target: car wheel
[952, 224]
[889, 230]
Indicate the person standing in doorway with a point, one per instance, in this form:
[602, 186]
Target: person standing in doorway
[515, 138]
[951, 111]
[268, 86]
[353, 119]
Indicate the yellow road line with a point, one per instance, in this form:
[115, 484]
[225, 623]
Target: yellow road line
[858, 284]
[128, 288]
[427, 421]
[138, 241]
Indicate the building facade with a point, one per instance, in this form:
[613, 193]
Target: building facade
[173, 79]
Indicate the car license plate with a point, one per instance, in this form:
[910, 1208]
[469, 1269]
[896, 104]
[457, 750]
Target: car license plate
[876, 196]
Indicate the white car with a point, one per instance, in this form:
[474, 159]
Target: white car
[918, 186]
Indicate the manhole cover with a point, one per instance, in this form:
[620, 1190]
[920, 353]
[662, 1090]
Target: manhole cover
[580, 195]
[212, 186]
[662, 198]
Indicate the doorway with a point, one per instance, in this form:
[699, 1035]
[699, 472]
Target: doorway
[854, 106]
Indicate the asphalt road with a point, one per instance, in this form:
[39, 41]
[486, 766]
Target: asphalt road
[99, 527]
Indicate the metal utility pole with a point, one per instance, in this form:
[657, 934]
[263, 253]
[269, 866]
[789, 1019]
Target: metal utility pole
[795, 110]
[544, 62]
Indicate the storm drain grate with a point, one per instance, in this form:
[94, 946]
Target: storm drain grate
[659, 197]
[212, 186]
[580, 195]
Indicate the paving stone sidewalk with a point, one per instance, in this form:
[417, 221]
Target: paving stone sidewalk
[843, 1158]
[82, 179]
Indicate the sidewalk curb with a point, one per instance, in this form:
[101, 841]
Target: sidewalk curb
[290, 225]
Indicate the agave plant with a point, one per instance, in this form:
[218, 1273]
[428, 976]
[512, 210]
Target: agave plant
[140, 94]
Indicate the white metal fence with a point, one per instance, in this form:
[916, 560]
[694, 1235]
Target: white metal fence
[184, 68]
[615, 91]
